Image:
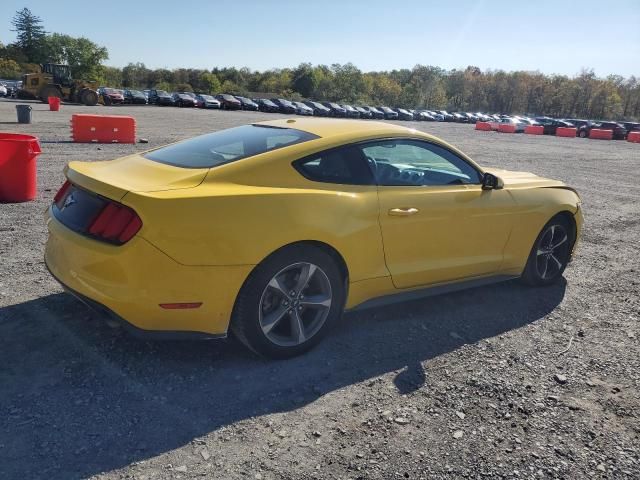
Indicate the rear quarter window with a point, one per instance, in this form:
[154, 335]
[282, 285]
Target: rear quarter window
[226, 146]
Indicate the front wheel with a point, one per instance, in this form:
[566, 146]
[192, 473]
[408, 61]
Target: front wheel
[550, 254]
[583, 134]
[289, 302]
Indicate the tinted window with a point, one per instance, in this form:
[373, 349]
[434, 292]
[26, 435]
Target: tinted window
[344, 165]
[227, 146]
[416, 163]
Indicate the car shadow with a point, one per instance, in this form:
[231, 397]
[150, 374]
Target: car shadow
[79, 398]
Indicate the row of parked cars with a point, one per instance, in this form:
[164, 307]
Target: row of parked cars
[224, 101]
[550, 125]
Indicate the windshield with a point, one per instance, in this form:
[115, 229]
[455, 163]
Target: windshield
[227, 146]
[161, 93]
[229, 98]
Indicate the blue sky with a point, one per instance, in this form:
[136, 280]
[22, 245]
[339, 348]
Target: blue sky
[550, 36]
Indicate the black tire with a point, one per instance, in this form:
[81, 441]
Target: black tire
[545, 264]
[249, 308]
[582, 134]
[88, 97]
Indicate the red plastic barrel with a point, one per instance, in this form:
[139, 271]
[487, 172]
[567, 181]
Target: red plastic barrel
[18, 167]
[54, 103]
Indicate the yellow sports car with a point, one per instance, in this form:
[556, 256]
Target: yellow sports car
[273, 229]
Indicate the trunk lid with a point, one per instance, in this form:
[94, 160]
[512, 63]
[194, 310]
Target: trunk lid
[114, 178]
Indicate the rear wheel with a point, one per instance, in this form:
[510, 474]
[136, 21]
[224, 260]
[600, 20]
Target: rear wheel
[550, 253]
[289, 302]
[88, 97]
[583, 133]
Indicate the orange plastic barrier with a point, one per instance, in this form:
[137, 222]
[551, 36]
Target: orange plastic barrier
[484, 126]
[566, 131]
[103, 128]
[534, 129]
[506, 128]
[601, 134]
[633, 137]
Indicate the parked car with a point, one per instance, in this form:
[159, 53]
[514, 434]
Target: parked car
[350, 111]
[228, 102]
[438, 117]
[364, 113]
[424, 115]
[318, 109]
[619, 132]
[207, 101]
[3, 90]
[446, 115]
[459, 117]
[266, 105]
[190, 260]
[247, 103]
[111, 96]
[335, 109]
[631, 126]
[160, 97]
[550, 125]
[577, 122]
[181, 99]
[388, 113]
[404, 114]
[302, 109]
[284, 105]
[375, 113]
[135, 97]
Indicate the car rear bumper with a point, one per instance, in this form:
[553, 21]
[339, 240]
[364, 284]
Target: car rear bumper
[129, 283]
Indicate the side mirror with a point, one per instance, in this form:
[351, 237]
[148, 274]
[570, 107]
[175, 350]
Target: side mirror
[491, 182]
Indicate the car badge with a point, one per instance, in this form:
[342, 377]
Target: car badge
[70, 200]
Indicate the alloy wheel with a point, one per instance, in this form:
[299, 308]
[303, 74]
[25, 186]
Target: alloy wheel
[552, 252]
[295, 304]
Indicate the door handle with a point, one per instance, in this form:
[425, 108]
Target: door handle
[403, 212]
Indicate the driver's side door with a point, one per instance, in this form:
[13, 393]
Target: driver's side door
[438, 224]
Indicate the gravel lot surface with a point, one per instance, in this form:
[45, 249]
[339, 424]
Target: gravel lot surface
[497, 382]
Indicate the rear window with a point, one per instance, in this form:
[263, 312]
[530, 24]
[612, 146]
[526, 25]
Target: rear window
[227, 146]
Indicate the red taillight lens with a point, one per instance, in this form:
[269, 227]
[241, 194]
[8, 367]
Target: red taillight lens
[115, 223]
[62, 192]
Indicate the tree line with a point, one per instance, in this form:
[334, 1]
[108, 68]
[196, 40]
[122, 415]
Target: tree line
[470, 89]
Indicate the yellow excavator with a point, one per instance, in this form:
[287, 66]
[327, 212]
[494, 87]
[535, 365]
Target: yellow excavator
[56, 81]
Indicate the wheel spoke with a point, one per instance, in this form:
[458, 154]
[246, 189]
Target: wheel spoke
[307, 270]
[297, 327]
[558, 262]
[564, 239]
[553, 232]
[277, 285]
[323, 301]
[272, 319]
[546, 266]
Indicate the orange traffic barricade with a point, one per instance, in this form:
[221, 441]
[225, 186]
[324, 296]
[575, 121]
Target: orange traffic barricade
[633, 137]
[566, 132]
[507, 128]
[534, 129]
[54, 103]
[601, 134]
[484, 126]
[87, 128]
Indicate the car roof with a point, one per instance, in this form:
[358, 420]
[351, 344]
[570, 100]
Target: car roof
[325, 128]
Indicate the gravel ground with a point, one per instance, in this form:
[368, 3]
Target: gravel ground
[501, 381]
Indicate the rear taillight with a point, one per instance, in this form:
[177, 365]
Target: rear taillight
[116, 223]
[62, 192]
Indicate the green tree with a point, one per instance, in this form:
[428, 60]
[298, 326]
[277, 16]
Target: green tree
[9, 69]
[30, 34]
[210, 82]
[81, 54]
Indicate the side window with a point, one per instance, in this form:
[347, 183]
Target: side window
[417, 163]
[344, 166]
